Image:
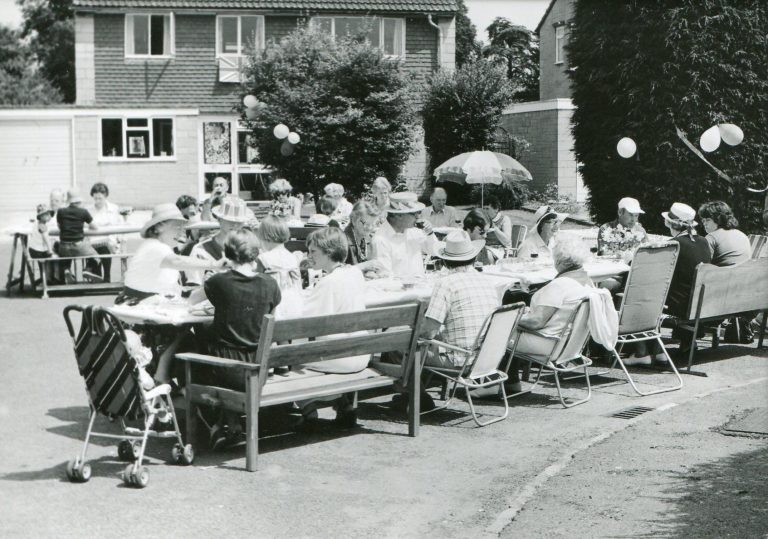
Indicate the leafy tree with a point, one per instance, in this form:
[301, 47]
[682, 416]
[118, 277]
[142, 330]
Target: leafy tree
[49, 26]
[20, 82]
[352, 108]
[645, 68]
[517, 48]
[468, 47]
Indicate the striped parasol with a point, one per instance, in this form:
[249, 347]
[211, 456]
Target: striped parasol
[481, 167]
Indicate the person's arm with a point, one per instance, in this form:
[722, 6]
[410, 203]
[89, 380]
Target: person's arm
[182, 263]
[538, 317]
[381, 254]
[89, 220]
[429, 328]
[430, 244]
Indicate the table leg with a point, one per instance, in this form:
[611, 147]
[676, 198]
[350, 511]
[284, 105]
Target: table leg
[11, 281]
[24, 263]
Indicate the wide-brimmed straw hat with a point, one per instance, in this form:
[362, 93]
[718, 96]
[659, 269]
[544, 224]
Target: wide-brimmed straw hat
[545, 211]
[680, 213]
[160, 214]
[232, 209]
[42, 209]
[404, 202]
[459, 246]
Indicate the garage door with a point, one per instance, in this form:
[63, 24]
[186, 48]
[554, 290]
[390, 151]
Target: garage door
[35, 157]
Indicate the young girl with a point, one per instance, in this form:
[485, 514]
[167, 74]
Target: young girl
[40, 245]
[282, 265]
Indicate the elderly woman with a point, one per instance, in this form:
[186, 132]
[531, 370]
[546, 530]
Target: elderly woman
[343, 206]
[539, 242]
[285, 205]
[105, 214]
[729, 245]
[379, 196]
[361, 227]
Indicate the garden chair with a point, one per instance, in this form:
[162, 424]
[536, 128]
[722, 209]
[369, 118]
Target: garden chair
[113, 388]
[758, 244]
[481, 364]
[518, 237]
[566, 354]
[642, 304]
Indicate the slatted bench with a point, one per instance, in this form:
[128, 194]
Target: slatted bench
[294, 342]
[80, 284]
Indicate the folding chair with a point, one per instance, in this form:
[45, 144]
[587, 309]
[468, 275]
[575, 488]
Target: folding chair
[643, 302]
[758, 244]
[565, 355]
[481, 364]
[518, 237]
[113, 389]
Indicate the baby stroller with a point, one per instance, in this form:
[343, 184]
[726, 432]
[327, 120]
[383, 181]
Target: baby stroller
[112, 384]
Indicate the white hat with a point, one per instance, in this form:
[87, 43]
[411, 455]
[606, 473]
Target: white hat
[232, 209]
[546, 211]
[630, 204]
[681, 213]
[318, 219]
[458, 246]
[404, 202]
[160, 214]
[73, 196]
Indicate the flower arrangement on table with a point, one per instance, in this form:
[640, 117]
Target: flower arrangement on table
[617, 241]
[281, 209]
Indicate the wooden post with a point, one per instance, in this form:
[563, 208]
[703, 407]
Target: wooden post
[252, 398]
[191, 421]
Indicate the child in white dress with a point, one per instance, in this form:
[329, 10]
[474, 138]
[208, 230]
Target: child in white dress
[281, 264]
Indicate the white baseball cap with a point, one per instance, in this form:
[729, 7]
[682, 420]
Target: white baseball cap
[630, 204]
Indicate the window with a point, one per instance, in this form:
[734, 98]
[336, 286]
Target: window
[137, 138]
[559, 44]
[148, 35]
[386, 34]
[238, 35]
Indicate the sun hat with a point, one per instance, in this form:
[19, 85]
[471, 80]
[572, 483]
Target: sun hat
[73, 196]
[630, 204]
[680, 213]
[404, 202]
[318, 219]
[544, 212]
[232, 209]
[42, 209]
[160, 214]
[458, 246]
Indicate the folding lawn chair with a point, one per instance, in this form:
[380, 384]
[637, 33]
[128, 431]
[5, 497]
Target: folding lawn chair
[643, 302]
[481, 364]
[565, 355]
[518, 237]
[758, 245]
[111, 381]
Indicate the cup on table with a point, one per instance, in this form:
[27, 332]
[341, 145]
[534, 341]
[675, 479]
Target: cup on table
[534, 256]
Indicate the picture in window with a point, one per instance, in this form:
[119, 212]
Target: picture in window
[136, 146]
[216, 143]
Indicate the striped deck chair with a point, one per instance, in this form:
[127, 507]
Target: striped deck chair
[111, 383]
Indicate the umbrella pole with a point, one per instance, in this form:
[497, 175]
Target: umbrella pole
[482, 191]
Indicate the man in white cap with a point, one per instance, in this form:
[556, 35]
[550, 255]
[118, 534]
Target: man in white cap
[625, 232]
[398, 245]
[439, 214]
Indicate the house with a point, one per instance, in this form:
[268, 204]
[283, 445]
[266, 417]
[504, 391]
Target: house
[546, 123]
[157, 81]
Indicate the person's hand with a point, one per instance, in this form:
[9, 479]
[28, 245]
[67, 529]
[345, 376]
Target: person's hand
[427, 228]
[222, 263]
[372, 265]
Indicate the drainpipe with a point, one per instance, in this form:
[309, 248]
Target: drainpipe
[439, 39]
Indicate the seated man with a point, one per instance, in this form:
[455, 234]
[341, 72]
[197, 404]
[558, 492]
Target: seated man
[219, 190]
[460, 302]
[438, 214]
[476, 226]
[398, 245]
[72, 220]
[190, 210]
[624, 233]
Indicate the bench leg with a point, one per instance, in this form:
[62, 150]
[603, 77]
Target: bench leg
[191, 411]
[252, 397]
[414, 408]
[43, 272]
[762, 329]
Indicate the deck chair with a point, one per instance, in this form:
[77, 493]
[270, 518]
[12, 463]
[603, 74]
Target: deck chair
[113, 389]
[566, 354]
[481, 363]
[518, 237]
[758, 244]
[642, 304]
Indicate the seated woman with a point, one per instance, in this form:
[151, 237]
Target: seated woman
[283, 203]
[362, 225]
[379, 197]
[279, 263]
[343, 207]
[553, 304]
[541, 239]
[729, 245]
[105, 214]
[501, 224]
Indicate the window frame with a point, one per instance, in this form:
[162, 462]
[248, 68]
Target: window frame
[129, 36]
[559, 44]
[239, 17]
[124, 133]
[398, 21]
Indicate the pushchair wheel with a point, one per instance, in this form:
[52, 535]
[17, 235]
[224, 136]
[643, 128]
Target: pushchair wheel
[128, 451]
[78, 472]
[185, 455]
[138, 478]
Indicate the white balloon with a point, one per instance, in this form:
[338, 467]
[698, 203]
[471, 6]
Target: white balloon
[626, 147]
[710, 139]
[250, 101]
[294, 138]
[281, 131]
[731, 134]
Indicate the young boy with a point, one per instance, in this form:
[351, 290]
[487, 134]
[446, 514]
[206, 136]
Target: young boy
[39, 242]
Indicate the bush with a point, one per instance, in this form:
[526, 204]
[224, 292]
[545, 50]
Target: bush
[511, 196]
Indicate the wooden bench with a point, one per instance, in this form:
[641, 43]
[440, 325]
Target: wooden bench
[294, 342]
[81, 284]
[722, 292]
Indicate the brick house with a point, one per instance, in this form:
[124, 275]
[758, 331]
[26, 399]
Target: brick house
[546, 123]
[157, 80]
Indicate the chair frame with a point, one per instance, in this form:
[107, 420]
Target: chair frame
[456, 375]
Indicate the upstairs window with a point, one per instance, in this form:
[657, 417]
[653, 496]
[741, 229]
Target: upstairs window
[238, 35]
[560, 44]
[385, 34]
[148, 35]
[137, 138]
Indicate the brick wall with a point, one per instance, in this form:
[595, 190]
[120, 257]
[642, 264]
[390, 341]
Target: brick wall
[554, 82]
[84, 60]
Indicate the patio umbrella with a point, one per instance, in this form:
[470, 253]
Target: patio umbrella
[481, 167]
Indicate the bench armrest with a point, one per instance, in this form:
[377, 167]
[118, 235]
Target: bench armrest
[537, 333]
[441, 344]
[217, 361]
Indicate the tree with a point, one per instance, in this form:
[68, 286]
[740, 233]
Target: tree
[468, 48]
[20, 82]
[517, 48]
[643, 69]
[352, 108]
[49, 26]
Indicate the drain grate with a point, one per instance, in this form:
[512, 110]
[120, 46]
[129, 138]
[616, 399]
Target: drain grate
[629, 413]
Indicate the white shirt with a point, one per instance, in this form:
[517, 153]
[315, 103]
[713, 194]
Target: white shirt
[401, 254]
[144, 272]
[342, 212]
[108, 215]
[502, 226]
[283, 266]
[535, 244]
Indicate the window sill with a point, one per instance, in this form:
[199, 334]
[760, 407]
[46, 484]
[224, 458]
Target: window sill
[171, 159]
[559, 63]
[137, 59]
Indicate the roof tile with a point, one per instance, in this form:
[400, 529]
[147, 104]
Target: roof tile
[400, 6]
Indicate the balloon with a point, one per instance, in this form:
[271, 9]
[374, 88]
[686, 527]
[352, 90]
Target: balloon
[294, 138]
[250, 101]
[731, 134]
[286, 148]
[710, 139]
[281, 131]
[251, 113]
[626, 147]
